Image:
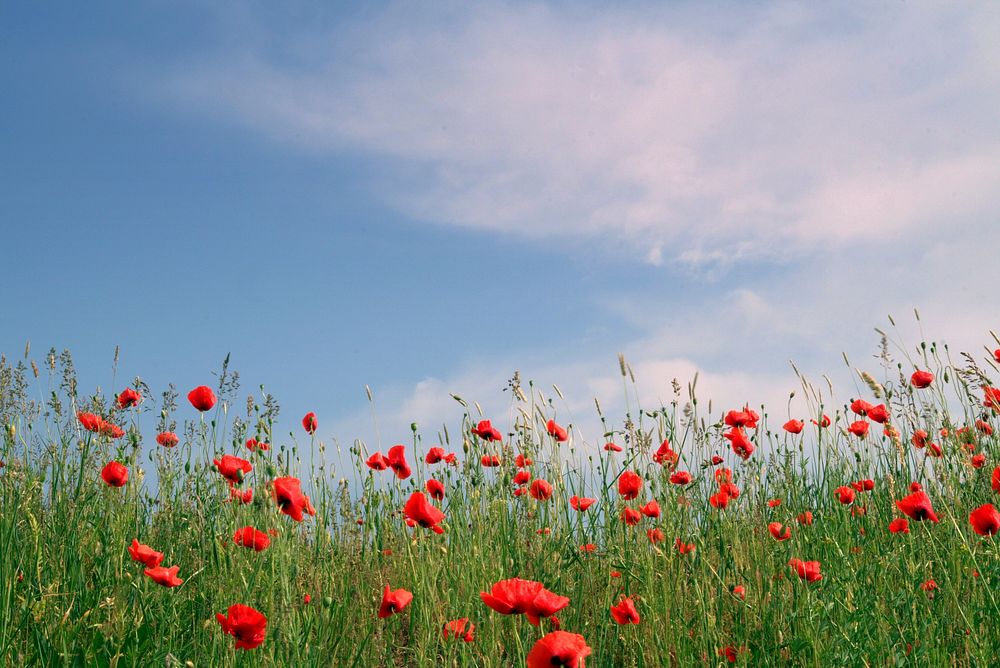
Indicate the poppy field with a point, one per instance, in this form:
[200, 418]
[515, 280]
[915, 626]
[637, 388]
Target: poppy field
[206, 525]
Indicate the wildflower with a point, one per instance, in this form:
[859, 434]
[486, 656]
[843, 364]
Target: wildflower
[807, 570]
[490, 461]
[742, 445]
[680, 478]
[90, 421]
[859, 428]
[651, 509]
[580, 503]
[728, 653]
[393, 601]
[655, 536]
[844, 494]
[522, 477]
[794, 426]
[612, 447]
[985, 520]
[245, 624]
[991, 398]
[630, 516]
[665, 456]
[115, 474]
[682, 547]
[521, 461]
[921, 379]
[435, 488]
[915, 487]
[588, 547]
[805, 518]
[860, 407]
[774, 503]
[290, 499]
[167, 439]
[629, 484]
[978, 461]
[516, 596]
[917, 506]
[779, 532]
[396, 459]
[232, 468]
[740, 592]
[164, 576]
[202, 398]
[624, 612]
[459, 628]
[128, 398]
[929, 586]
[253, 445]
[919, 438]
[556, 432]
[486, 431]
[310, 423]
[744, 418]
[377, 462]
[863, 485]
[823, 423]
[878, 414]
[719, 500]
[144, 554]
[559, 648]
[250, 537]
[899, 525]
[434, 455]
[421, 511]
[541, 490]
[244, 497]
[716, 460]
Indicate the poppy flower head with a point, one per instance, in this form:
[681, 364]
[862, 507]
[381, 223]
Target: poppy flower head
[806, 570]
[844, 494]
[459, 628]
[377, 462]
[421, 511]
[774, 503]
[290, 499]
[860, 407]
[167, 439]
[245, 497]
[794, 426]
[991, 398]
[144, 554]
[166, 577]
[232, 468]
[310, 423]
[665, 456]
[486, 431]
[878, 414]
[779, 532]
[90, 422]
[805, 518]
[541, 490]
[631, 516]
[580, 503]
[744, 418]
[522, 477]
[680, 478]
[917, 506]
[624, 612]
[115, 474]
[823, 423]
[247, 625]
[742, 445]
[434, 455]
[719, 500]
[557, 432]
[655, 535]
[858, 428]
[435, 488]
[612, 447]
[899, 525]
[684, 548]
[716, 460]
[490, 461]
[396, 459]
[252, 444]
[985, 520]
[128, 398]
[393, 601]
[559, 648]
[740, 592]
[515, 596]
[629, 484]
[921, 379]
[202, 398]
[978, 461]
[651, 508]
[250, 537]
[521, 461]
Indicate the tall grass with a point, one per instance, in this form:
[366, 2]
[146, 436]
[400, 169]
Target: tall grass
[71, 595]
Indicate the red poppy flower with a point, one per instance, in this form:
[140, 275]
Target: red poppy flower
[232, 468]
[934, 450]
[541, 490]
[559, 648]
[651, 509]
[115, 474]
[860, 407]
[929, 586]
[588, 547]
[290, 499]
[684, 548]
[921, 379]
[435, 488]
[434, 455]
[859, 428]
[680, 478]
[522, 477]
[459, 628]
[978, 461]
[719, 500]
[629, 485]
[144, 554]
[779, 532]
[167, 439]
[919, 438]
[878, 414]
[805, 518]
[202, 398]
[631, 516]
[655, 536]
[729, 488]
[396, 458]
[985, 520]
[90, 421]
[917, 506]
[844, 494]
[665, 456]
[489, 461]
[243, 497]
[516, 596]
[612, 447]
[915, 487]
[421, 511]
[716, 460]
[164, 576]
[984, 427]
[996, 354]
[744, 418]
[245, 624]
[774, 503]
[728, 653]
[823, 423]
[723, 476]
[310, 423]
[807, 570]
[741, 444]
[377, 462]
[556, 432]
[253, 445]
[899, 525]
[991, 398]
[740, 591]
[863, 485]
[251, 538]
[128, 398]
[580, 503]
[393, 601]
[794, 426]
[486, 431]
[521, 461]
[625, 612]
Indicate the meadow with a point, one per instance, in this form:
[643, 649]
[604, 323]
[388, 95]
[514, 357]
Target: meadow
[184, 527]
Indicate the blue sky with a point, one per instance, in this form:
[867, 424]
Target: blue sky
[424, 198]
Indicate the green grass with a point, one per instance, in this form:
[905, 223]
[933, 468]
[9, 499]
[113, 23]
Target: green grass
[70, 594]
